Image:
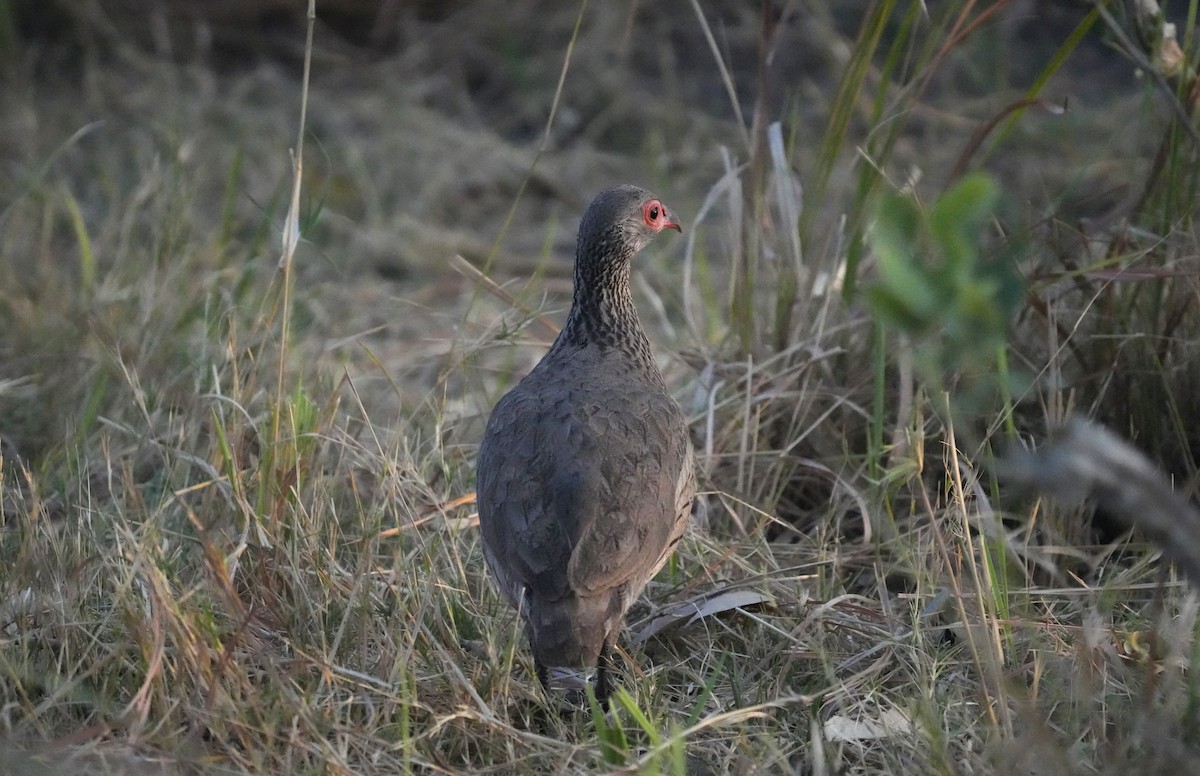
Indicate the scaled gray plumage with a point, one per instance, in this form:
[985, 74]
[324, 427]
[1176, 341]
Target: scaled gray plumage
[585, 477]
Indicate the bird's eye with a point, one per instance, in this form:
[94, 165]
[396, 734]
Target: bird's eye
[653, 212]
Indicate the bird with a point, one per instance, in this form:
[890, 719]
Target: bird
[585, 476]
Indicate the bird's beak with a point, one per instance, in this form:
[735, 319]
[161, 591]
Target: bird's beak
[673, 225]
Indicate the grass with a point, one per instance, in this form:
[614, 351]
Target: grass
[237, 532]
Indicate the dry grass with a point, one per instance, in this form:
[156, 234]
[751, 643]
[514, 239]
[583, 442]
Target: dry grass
[207, 569]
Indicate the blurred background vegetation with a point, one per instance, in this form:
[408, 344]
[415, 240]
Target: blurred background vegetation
[237, 533]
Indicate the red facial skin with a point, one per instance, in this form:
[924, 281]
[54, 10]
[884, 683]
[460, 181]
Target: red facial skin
[654, 213]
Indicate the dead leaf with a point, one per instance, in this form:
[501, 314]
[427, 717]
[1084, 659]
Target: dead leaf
[889, 724]
[702, 606]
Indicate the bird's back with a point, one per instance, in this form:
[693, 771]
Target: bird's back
[585, 480]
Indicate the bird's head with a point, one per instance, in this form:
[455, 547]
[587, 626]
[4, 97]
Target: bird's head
[622, 220]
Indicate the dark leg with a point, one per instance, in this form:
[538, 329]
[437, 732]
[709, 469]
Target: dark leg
[543, 675]
[603, 683]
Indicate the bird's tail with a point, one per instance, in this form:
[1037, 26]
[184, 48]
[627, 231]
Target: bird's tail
[569, 633]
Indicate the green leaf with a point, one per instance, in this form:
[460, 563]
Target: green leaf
[895, 238]
[894, 311]
[957, 220]
[614, 746]
[626, 701]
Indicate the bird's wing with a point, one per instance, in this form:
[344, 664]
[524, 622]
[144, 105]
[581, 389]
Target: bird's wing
[525, 541]
[625, 507]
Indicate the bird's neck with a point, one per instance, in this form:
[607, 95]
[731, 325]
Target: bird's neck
[602, 311]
